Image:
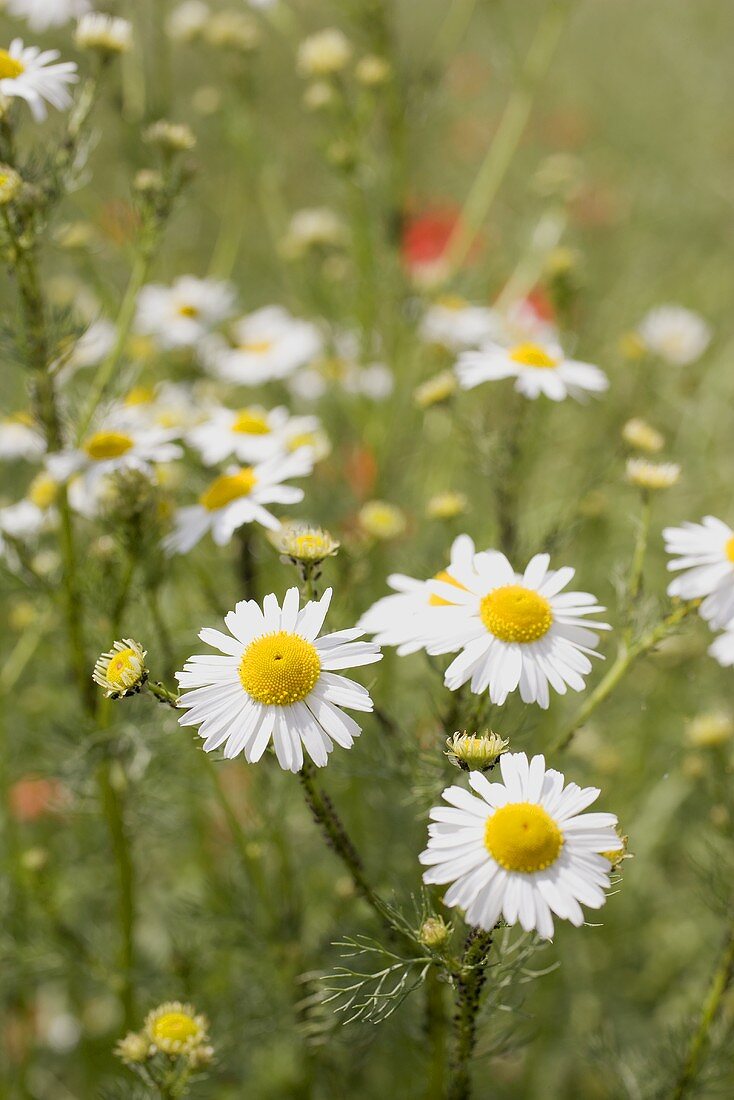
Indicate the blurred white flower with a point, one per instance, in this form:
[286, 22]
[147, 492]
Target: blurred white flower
[537, 369]
[248, 435]
[315, 227]
[42, 14]
[704, 554]
[181, 315]
[106, 33]
[325, 53]
[23, 520]
[652, 476]
[19, 438]
[268, 344]
[115, 446]
[188, 20]
[456, 324]
[723, 647]
[677, 335]
[27, 73]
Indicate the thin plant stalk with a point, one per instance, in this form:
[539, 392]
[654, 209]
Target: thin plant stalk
[469, 981]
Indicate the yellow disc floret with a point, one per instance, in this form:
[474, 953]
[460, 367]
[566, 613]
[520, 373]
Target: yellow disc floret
[122, 671]
[223, 490]
[188, 311]
[251, 422]
[257, 347]
[532, 355]
[439, 601]
[10, 67]
[103, 445]
[729, 549]
[175, 1028]
[523, 837]
[516, 614]
[279, 669]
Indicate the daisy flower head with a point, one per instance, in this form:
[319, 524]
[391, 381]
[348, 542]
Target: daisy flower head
[121, 671]
[275, 679]
[456, 324]
[522, 849]
[675, 334]
[175, 1028]
[703, 556]
[267, 344]
[181, 315]
[651, 476]
[20, 439]
[515, 630]
[238, 497]
[403, 619]
[42, 14]
[249, 434]
[108, 34]
[28, 73]
[115, 446]
[537, 369]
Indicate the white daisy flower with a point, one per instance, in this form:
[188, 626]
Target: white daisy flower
[23, 520]
[277, 680]
[248, 435]
[403, 620]
[538, 369]
[237, 497]
[521, 849]
[456, 324]
[515, 630]
[20, 439]
[170, 405]
[677, 335]
[181, 315]
[116, 446]
[26, 73]
[704, 552]
[722, 649]
[42, 14]
[268, 344]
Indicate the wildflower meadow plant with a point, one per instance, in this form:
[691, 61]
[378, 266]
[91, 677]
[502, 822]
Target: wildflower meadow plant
[367, 551]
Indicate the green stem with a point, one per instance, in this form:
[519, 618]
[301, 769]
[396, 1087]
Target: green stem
[720, 983]
[113, 808]
[469, 981]
[638, 557]
[512, 125]
[436, 1035]
[627, 655]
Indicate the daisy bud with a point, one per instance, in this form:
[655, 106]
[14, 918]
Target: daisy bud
[122, 671]
[201, 1057]
[372, 71]
[642, 436]
[381, 520]
[710, 730]
[436, 390]
[10, 184]
[652, 476]
[475, 752]
[170, 137]
[617, 856]
[324, 54]
[134, 1048]
[106, 34]
[300, 543]
[435, 933]
[148, 181]
[447, 506]
[175, 1028]
[318, 96]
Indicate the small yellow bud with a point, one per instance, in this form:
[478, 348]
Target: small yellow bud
[434, 933]
[381, 520]
[475, 752]
[436, 390]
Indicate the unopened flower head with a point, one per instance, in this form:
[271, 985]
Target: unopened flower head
[134, 1048]
[170, 137]
[652, 476]
[436, 390]
[381, 520]
[304, 544]
[175, 1028]
[313, 228]
[324, 54]
[10, 184]
[201, 1057]
[319, 95]
[434, 933]
[446, 506]
[475, 752]
[617, 855]
[187, 21]
[107, 34]
[232, 30]
[710, 729]
[641, 436]
[122, 670]
[372, 71]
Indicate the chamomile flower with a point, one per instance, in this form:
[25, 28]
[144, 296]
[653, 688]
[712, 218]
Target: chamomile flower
[456, 324]
[28, 73]
[249, 434]
[515, 630]
[181, 315]
[401, 619]
[170, 405]
[175, 1028]
[537, 369]
[703, 554]
[19, 438]
[115, 446]
[238, 497]
[22, 521]
[122, 671]
[42, 14]
[275, 679]
[651, 476]
[267, 344]
[521, 849]
[677, 335]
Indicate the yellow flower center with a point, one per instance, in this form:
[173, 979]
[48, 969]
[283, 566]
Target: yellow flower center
[43, 491]
[439, 601]
[103, 445]
[306, 439]
[531, 355]
[523, 837]
[257, 347]
[124, 668]
[188, 311]
[223, 490]
[452, 302]
[279, 669]
[516, 614]
[10, 67]
[249, 422]
[140, 395]
[175, 1027]
[729, 549]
